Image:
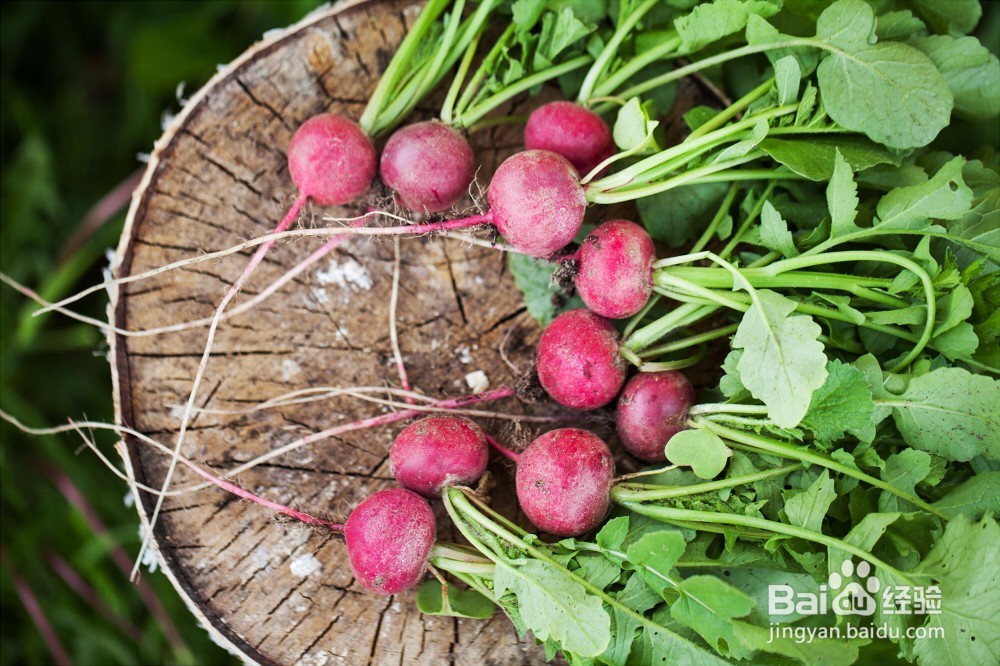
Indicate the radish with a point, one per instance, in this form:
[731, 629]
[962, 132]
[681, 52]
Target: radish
[438, 451]
[429, 165]
[389, 537]
[564, 481]
[331, 160]
[652, 408]
[615, 268]
[578, 362]
[537, 202]
[570, 130]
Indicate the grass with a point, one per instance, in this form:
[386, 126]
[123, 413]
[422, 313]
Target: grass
[84, 85]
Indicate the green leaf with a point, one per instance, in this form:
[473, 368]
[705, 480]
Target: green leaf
[677, 216]
[656, 645]
[975, 497]
[944, 197]
[710, 22]
[847, 24]
[659, 550]
[964, 561]
[807, 508]
[554, 606]
[526, 13]
[842, 404]
[783, 361]
[971, 71]
[701, 450]
[899, 25]
[633, 127]
[560, 30]
[613, 534]
[889, 91]
[757, 134]
[950, 412]
[842, 198]
[774, 233]
[640, 598]
[707, 605]
[461, 603]
[956, 17]
[730, 384]
[813, 156]
[534, 278]
[903, 470]
[787, 76]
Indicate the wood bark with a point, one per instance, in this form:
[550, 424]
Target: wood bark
[272, 591]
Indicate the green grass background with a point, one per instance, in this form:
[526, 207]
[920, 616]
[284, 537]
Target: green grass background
[84, 86]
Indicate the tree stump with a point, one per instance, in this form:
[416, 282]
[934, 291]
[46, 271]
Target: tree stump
[270, 591]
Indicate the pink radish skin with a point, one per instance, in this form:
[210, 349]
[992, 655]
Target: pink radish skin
[578, 362]
[439, 451]
[570, 130]
[429, 165]
[537, 202]
[389, 537]
[331, 159]
[615, 268]
[652, 408]
[564, 481]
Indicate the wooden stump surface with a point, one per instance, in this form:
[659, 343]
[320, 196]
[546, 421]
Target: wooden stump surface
[268, 590]
[272, 591]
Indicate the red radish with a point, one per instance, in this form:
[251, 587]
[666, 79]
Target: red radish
[564, 481]
[652, 408]
[331, 160]
[438, 451]
[429, 165]
[389, 537]
[537, 202]
[578, 362]
[570, 130]
[615, 268]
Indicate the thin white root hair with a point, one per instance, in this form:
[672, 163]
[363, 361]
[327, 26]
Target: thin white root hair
[404, 380]
[218, 254]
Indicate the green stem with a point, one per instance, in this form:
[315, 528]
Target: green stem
[709, 173]
[448, 107]
[786, 450]
[684, 149]
[402, 59]
[475, 113]
[737, 107]
[475, 84]
[726, 408]
[670, 514]
[682, 315]
[640, 315]
[670, 46]
[609, 51]
[641, 492]
[877, 256]
[458, 566]
[691, 341]
[750, 219]
[666, 366]
[763, 278]
[720, 214]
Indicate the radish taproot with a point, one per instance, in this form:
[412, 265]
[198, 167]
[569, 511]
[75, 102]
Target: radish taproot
[614, 269]
[564, 481]
[652, 408]
[570, 130]
[389, 537]
[438, 451]
[578, 361]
